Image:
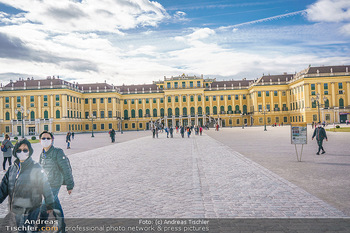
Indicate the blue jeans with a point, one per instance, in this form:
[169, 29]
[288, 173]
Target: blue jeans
[21, 218]
[57, 212]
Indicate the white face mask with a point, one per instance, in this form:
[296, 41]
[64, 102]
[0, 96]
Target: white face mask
[22, 156]
[46, 143]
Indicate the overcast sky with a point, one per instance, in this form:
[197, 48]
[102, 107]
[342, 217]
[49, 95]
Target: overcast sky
[140, 41]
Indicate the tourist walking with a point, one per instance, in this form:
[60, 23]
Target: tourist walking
[59, 172]
[171, 130]
[200, 130]
[188, 132]
[112, 135]
[72, 135]
[25, 184]
[320, 134]
[68, 140]
[6, 148]
[182, 131]
[167, 132]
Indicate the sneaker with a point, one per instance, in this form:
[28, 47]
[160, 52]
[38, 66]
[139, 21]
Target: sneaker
[318, 153]
[323, 152]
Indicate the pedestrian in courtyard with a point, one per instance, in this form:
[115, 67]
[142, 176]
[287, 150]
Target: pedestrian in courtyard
[6, 148]
[157, 131]
[59, 172]
[182, 131]
[171, 130]
[112, 135]
[320, 134]
[188, 132]
[72, 135]
[154, 132]
[25, 185]
[167, 132]
[177, 129]
[200, 130]
[68, 140]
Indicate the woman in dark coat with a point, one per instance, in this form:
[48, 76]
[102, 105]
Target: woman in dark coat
[25, 184]
[8, 154]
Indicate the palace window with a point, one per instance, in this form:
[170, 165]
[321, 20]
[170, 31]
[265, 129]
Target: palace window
[32, 99]
[325, 86]
[169, 99]
[147, 101]
[259, 93]
[312, 87]
[7, 99]
[222, 97]
[176, 99]
[267, 93]
[94, 100]
[192, 98]
[340, 85]
[58, 114]
[58, 127]
[275, 93]
[109, 100]
[199, 98]
[214, 98]
[229, 97]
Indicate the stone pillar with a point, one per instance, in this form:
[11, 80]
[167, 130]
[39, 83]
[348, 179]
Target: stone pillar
[64, 106]
[241, 102]
[180, 101]
[98, 102]
[106, 108]
[348, 93]
[90, 106]
[333, 95]
[137, 108]
[39, 107]
[114, 107]
[51, 105]
[255, 98]
[158, 107]
[226, 107]
[307, 95]
[280, 100]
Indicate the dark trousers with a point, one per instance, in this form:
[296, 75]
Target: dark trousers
[320, 147]
[58, 212]
[21, 219]
[4, 163]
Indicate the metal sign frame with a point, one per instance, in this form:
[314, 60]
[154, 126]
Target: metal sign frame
[298, 135]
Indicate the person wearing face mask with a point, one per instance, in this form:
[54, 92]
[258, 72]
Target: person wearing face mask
[59, 172]
[25, 183]
[320, 134]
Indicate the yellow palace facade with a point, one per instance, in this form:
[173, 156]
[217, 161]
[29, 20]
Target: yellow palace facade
[313, 94]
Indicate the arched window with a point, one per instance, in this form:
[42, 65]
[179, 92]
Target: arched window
[229, 109]
[192, 111]
[132, 113]
[215, 110]
[184, 111]
[222, 109]
[32, 115]
[126, 115]
[341, 103]
[207, 110]
[155, 112]
[200, 111]
[140, 113]
[244, 108]
[199, 98]
[46, 114]
[170, 112]
[177, 111]
[162, 112]
[58, 114]
[326, 103]
[148, 112]
[7, 116]
[237, 108]
[19, 116]
[314, 104]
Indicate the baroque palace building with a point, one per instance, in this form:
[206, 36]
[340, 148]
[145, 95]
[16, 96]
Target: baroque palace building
[314, 94]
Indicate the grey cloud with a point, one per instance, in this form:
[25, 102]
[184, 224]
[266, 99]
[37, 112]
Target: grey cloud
[65, 14]
[15, 48]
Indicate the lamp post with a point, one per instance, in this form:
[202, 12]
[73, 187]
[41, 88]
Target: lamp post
[242, 114]
[265, 119]
[92, 125]
[22, 117]
[317, 99]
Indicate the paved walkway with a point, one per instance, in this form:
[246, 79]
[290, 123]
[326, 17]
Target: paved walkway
[196, 177]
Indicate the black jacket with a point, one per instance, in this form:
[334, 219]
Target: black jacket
[25, 183]
[57, 168]
[319, 133]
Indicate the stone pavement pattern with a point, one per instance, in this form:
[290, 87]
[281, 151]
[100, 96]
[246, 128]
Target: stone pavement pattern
[194, 178]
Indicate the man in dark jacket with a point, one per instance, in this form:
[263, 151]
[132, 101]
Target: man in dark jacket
[320, 134]
[59, 172]
[25, 183]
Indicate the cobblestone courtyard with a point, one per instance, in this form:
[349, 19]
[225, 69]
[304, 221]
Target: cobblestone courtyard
[180, 177]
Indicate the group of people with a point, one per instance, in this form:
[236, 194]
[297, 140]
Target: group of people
[112, 135]
[69, 137]
[32, 187]
[182, 129]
